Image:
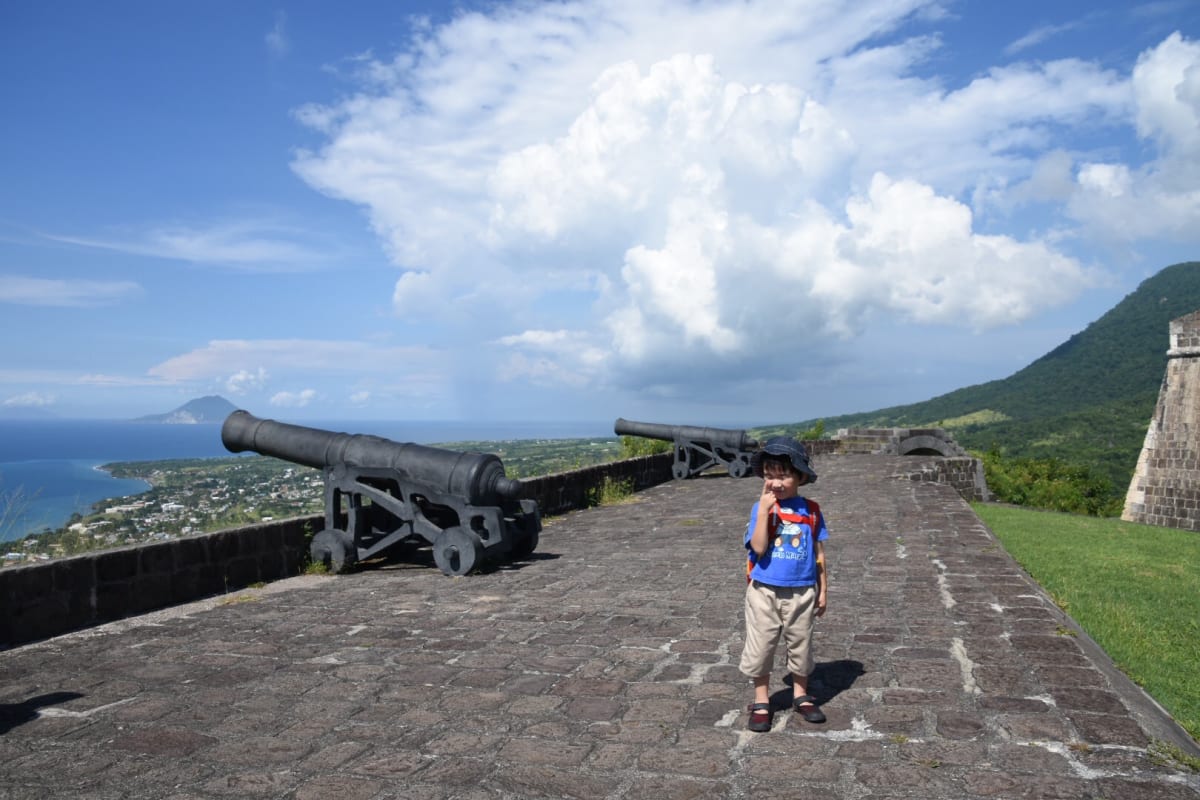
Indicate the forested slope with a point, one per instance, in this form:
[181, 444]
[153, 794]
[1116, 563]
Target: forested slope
[1088, 401]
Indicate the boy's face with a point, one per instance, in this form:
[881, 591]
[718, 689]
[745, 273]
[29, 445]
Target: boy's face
[781, 480]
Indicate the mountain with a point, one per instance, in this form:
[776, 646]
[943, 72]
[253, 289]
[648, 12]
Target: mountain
[1088, 401]
[203, 409]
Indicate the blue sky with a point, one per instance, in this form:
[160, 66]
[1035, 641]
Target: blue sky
[731, 213]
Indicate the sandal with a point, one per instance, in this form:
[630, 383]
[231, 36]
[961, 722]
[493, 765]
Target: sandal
[760, 717]
[806, 706]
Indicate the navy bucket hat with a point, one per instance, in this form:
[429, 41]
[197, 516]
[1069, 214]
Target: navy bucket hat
[784, 446]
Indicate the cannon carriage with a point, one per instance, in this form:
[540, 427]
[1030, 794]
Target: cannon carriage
[697, 449]
[380, 493]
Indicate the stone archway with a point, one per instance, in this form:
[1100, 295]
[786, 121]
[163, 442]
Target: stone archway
[926, 445]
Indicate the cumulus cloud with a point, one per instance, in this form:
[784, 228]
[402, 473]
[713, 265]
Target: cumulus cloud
[22, 290]
[245, 380]
[780, 173]
[293, 399]
[1161, 197]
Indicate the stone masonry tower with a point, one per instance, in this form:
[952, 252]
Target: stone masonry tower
[1165, 489]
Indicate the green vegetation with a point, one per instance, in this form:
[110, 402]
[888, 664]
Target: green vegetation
[611, 492]
[13, 503]
[1131, 587]
[815, 431]
[1051, 484]
[1086, 403]
[636, 446]
[1167, 754]
[529, 458]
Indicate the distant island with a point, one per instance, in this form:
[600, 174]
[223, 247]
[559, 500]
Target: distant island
[213, 408]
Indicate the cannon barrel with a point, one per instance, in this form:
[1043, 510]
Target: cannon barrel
[478, 478]
[720, 437]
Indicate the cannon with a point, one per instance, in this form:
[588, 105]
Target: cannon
[697, 449]
[379, 493]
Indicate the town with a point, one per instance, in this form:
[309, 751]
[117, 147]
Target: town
[186, 497]
[192, 496]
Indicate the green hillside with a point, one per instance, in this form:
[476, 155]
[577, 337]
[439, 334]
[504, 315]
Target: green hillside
[1088, 401]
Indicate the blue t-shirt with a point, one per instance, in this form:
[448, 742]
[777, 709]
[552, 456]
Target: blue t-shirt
[791, 557]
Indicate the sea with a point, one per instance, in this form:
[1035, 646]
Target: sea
[50, 469]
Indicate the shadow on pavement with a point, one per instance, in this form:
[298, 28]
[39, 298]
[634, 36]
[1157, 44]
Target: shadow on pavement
[14, 714]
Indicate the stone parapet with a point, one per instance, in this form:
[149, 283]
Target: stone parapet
[565, 491]
[65, 594]
[964, 474]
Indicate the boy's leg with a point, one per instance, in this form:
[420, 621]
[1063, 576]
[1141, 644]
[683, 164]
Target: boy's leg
[762, 688]
[797, 632]
[798, 617]
[762, 635]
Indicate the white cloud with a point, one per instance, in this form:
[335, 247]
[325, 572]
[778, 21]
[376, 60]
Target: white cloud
[1161, 198]
[21, 290]
[369, 371]
[245, 380]
[293, 399]
[258, 245]
[31, 400]
[779, 172]
[252, 361]
[277, 38]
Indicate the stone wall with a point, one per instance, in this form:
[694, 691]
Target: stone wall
[937, 457]
[65, 594]
[557, 494]
[43, 600]
[1165, 489]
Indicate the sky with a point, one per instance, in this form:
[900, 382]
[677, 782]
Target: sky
[683, 211]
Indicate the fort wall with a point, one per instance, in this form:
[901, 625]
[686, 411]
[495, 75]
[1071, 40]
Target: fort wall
[1165, 489]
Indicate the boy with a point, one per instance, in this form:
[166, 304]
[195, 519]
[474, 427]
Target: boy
[787, 582]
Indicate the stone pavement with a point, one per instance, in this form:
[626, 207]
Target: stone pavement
[603, 667]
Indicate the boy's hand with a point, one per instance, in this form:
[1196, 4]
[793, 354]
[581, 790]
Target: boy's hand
[767, 501]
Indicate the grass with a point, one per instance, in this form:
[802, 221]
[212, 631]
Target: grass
[1134, 588]
[983, 417]
[612, 492]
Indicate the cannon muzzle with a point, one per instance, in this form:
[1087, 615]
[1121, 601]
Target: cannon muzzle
[476, 477]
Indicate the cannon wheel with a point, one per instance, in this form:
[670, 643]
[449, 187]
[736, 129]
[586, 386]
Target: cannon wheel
[457, 551]
[738, 468]
[683, 463]
[524, 545]
[335, 549]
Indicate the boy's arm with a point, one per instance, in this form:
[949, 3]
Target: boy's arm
[822, 578]
[759, 536]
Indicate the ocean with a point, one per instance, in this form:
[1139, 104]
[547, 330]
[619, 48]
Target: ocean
[48, 468]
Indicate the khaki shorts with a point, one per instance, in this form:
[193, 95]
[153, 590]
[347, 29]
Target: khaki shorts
[772, 611]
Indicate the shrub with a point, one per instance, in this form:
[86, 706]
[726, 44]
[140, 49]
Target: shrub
[634, 446]
[1051, 484]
